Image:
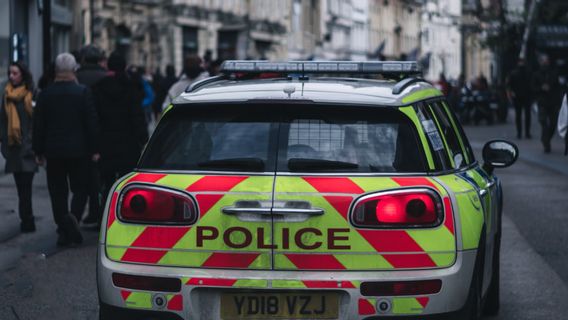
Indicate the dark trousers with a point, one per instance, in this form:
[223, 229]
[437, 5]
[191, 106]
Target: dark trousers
[64, 174]
[94, 190]
[522, 106]
[109, 177]
[24, 186]
[548, 118]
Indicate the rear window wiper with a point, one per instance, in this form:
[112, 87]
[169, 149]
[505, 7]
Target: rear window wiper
[254, 164]
[297, 164]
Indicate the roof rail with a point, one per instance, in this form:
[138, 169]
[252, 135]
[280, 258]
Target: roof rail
[404, 83]
[198, 84]
[405, 68]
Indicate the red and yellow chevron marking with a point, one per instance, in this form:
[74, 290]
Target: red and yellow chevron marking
[352, 249]
[400, 305]
[162, 244]
[143, 300]
[367, 306]
[392, 249]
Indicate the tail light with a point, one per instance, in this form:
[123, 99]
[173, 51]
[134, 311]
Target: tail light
[146, 283]
[401, 288]
[148, 204]
[401, 208]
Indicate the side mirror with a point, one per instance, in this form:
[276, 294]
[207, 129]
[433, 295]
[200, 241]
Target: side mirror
[499, 154]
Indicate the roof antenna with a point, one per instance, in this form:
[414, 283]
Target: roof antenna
[289, 90]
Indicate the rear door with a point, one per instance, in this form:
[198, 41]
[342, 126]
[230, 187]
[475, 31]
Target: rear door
[223, 157]
[331, 158]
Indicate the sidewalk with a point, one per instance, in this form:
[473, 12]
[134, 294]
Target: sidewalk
[13, 243]
[529, 150]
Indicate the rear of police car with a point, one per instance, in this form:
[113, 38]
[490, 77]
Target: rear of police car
[253, 202]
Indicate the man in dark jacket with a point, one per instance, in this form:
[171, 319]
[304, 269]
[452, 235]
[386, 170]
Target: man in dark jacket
[66, 136]
[546, 89]
[519, 92]
[122, 122]
[92, 66]
[92, 70]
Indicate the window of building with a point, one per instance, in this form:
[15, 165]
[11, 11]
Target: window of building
[4, 38]
[190, 43]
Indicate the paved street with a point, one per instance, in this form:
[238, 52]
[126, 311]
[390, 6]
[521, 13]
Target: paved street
[39, 281]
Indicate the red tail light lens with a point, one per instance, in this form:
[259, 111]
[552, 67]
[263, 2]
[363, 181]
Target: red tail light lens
[146, 283]
[147, 204]
[401, 288]
[400, 208]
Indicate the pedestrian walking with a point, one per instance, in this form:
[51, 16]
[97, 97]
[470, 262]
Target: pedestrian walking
[192, 71]
[545, 88]
[65, 136]
[519, 94]
[123, 127]
[162, 89]
[16, 138]
[92, 70]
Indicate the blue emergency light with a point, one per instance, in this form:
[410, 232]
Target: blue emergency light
[325, 67]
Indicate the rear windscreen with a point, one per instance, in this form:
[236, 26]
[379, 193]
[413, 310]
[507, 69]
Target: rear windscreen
[285, 138]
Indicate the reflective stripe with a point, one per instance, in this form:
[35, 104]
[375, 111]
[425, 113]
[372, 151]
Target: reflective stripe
[448, 151]
[409, 111]
[421, 95]
[288, 284]
[367, 306]
[139, 300]
[455, 128]
[406, 306]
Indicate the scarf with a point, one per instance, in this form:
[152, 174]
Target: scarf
[14, 95]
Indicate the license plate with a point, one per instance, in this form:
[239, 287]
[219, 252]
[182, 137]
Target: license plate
[279, 305]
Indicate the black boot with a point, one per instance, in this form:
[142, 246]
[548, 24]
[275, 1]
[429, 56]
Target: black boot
[27, 226]
[72, 229]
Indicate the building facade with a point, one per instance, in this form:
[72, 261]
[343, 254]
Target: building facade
[157, 33]
[395, 29]
[441, 41]
[21, 33]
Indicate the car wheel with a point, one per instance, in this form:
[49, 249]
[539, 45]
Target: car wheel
[472, 310]
[492, 302]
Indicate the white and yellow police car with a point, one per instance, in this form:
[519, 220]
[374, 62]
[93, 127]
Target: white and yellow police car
[290, 191]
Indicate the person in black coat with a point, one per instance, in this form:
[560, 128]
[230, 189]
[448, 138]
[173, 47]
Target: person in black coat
[519, 91]
[122, 122]
[66, 137]
[92, 70]
[548, 94]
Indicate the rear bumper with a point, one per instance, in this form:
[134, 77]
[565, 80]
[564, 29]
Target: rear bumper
[200, 298]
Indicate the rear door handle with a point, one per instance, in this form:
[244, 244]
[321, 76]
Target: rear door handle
[238, 210]
[276, 211]
[286, 211]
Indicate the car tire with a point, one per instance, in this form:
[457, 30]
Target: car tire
[474, 305]
[492, 301]
[472, 310]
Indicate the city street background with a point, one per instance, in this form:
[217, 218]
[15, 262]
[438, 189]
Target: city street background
[40, 281]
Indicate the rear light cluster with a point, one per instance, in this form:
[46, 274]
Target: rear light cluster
[148, 204]
[401, 288]
[401, 208]
[146, 283]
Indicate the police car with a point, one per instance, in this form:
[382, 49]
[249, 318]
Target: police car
[290, 191]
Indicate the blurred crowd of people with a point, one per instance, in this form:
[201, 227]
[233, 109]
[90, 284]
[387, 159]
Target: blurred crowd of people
[86, 122]
[539, 92]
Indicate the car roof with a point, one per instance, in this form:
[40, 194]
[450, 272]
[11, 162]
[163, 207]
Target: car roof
[330, 90]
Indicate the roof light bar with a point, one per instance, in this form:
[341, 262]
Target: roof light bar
[367, 67]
